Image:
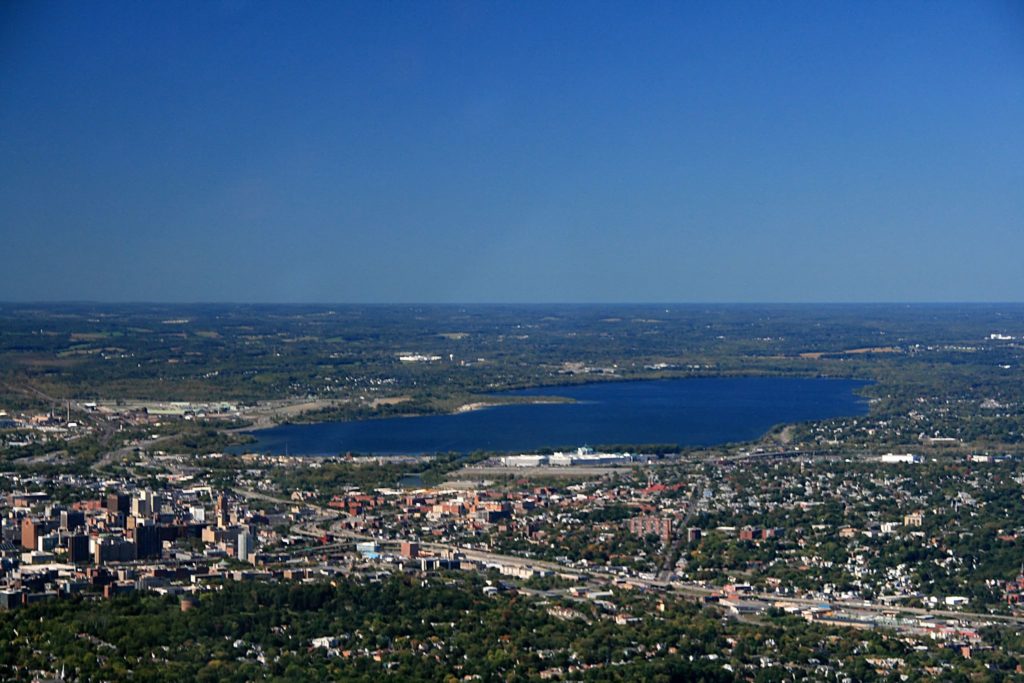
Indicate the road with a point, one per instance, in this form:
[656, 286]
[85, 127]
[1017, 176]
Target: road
[681, 531]
[111, 457]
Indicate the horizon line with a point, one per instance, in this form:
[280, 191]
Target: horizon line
[102, 302]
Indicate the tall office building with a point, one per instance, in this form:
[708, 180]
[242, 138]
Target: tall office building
[78, 549]
[71, 520]
[245, 545]
[31, 530]
[118, 503]
[147, 541]
[221, 512]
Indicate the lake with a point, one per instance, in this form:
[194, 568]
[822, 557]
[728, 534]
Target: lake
[688, 412]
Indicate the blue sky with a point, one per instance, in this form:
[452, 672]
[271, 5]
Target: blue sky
[512, 152]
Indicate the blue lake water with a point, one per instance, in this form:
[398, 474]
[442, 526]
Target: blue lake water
[688, 412]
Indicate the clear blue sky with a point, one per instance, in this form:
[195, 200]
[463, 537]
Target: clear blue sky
[512, 151]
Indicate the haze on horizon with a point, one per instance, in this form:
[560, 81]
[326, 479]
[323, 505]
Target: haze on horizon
[512, 152]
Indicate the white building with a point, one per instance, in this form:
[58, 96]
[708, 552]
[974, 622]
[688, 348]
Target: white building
[524, 460]
[581, 456]
[905, 458]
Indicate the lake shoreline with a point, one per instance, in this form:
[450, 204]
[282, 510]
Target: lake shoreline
[688, 412]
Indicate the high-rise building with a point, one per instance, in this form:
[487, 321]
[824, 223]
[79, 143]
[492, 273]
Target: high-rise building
[48, 542]
[10, 598]
[118, 502]
[245, 545]
[31, 530]
[221, 512]
[141, 505]
[71, 520]
[115, 550]
[147, 541]
[78, 549]
[650, 524]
